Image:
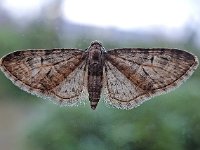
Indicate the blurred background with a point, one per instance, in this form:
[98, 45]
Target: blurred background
[170, 121]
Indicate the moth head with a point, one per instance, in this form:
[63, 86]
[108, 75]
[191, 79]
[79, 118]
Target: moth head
[96, 45]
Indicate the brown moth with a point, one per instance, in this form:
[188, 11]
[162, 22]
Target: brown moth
[124, 77]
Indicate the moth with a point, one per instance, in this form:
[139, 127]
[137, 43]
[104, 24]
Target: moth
[123, 77]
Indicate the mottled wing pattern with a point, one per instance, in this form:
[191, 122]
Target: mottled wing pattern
[133, 76]
[57, 74]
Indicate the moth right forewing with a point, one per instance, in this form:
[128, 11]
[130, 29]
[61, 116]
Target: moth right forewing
[149, 71]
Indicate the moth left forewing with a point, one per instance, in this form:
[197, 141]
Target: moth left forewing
[149, 72]
[42, 72]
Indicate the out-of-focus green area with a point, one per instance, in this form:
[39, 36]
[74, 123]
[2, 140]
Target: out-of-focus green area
[170, 121]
